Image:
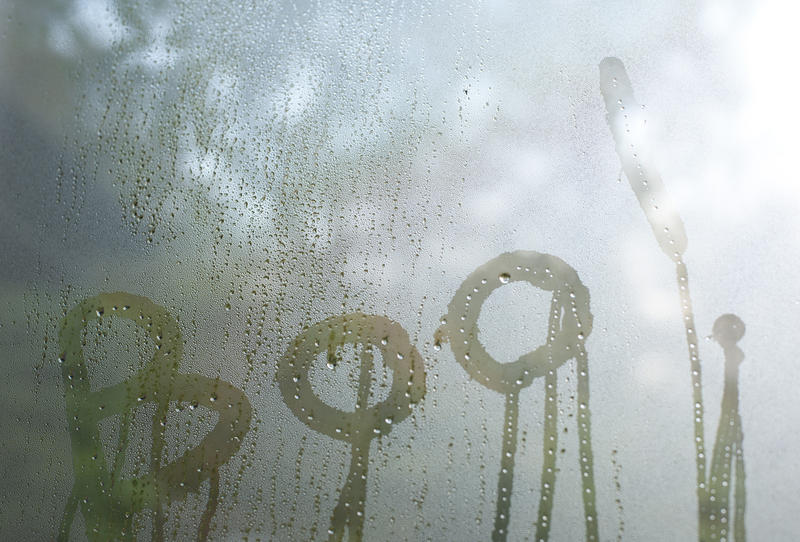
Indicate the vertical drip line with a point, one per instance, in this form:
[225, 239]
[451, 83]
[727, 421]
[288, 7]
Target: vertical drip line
[155, 464]
[549, 445]
[739, 491]
[349, 511]
[682, 276]
[211, 507]
[618, 499]
[585, 445]
[722, 520]
[505, 481]
[361, 447]
[550, 437]
[122, 448]
[69, 515]
[164, 375]
[720, 471]
[122, 451]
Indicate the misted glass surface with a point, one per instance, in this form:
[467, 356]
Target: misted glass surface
[398, 270]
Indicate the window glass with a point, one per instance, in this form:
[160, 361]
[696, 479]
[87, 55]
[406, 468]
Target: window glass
[398, 270]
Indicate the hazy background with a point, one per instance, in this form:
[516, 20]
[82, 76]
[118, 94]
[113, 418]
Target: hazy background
[255, 168]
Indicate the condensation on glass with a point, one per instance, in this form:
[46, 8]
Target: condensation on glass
[398, 271]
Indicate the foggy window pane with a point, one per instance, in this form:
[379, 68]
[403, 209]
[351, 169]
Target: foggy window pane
[398, 271]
